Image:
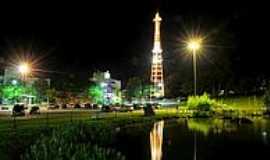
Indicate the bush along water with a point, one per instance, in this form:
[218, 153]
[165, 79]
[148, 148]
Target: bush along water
[76, 141]
[204, 106]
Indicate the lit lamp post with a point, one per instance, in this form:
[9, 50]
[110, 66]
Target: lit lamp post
[194, 45]
[24, 69]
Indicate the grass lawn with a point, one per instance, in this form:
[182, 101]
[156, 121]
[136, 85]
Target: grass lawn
[244, 103]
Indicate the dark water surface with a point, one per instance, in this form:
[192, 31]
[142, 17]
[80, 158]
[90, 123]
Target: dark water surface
[207, 139]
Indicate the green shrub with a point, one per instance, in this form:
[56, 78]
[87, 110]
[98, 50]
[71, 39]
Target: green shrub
[205, 103]
[202, 103]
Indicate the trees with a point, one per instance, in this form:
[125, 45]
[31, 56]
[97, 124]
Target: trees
[134, 87]
[95, 92]
[12, 93]
[137, 88]
[51, 94]
[41, 86]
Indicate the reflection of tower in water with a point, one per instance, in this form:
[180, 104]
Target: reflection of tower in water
[156, 139]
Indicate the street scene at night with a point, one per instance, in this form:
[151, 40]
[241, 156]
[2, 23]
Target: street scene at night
[134, 80]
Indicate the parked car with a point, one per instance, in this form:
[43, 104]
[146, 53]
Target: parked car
[53, 106]
[5, 107]
[88, 106]
[97, 106]
[110, 108]
[18, 110]
[34, 110]
[107, 108]
[116, 108]
[77, 105]
[70, 105]
[64, 106]
[126, 108]
[138, 106]
[156, 106]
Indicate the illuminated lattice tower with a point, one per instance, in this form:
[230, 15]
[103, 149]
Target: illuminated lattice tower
[157, 60]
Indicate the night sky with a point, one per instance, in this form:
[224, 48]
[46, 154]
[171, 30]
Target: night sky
[80, 37]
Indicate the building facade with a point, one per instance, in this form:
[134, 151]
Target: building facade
[110, 88]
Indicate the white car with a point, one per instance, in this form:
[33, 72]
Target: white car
[6, 109]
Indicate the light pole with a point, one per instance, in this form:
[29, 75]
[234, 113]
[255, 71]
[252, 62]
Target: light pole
[24, 69]
[193, 46]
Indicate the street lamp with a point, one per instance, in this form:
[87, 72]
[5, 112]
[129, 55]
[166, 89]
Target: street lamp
[193, 45]
[24, 68]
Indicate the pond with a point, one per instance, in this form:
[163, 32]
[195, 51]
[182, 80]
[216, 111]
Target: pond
[201, 139]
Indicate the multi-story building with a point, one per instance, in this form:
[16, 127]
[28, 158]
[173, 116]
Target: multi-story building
[111, 88]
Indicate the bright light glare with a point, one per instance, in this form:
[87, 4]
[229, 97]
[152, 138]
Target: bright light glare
[24, 68]
[194, 44]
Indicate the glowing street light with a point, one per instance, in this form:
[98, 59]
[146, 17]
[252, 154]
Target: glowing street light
[194, 45]
[24, 68]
